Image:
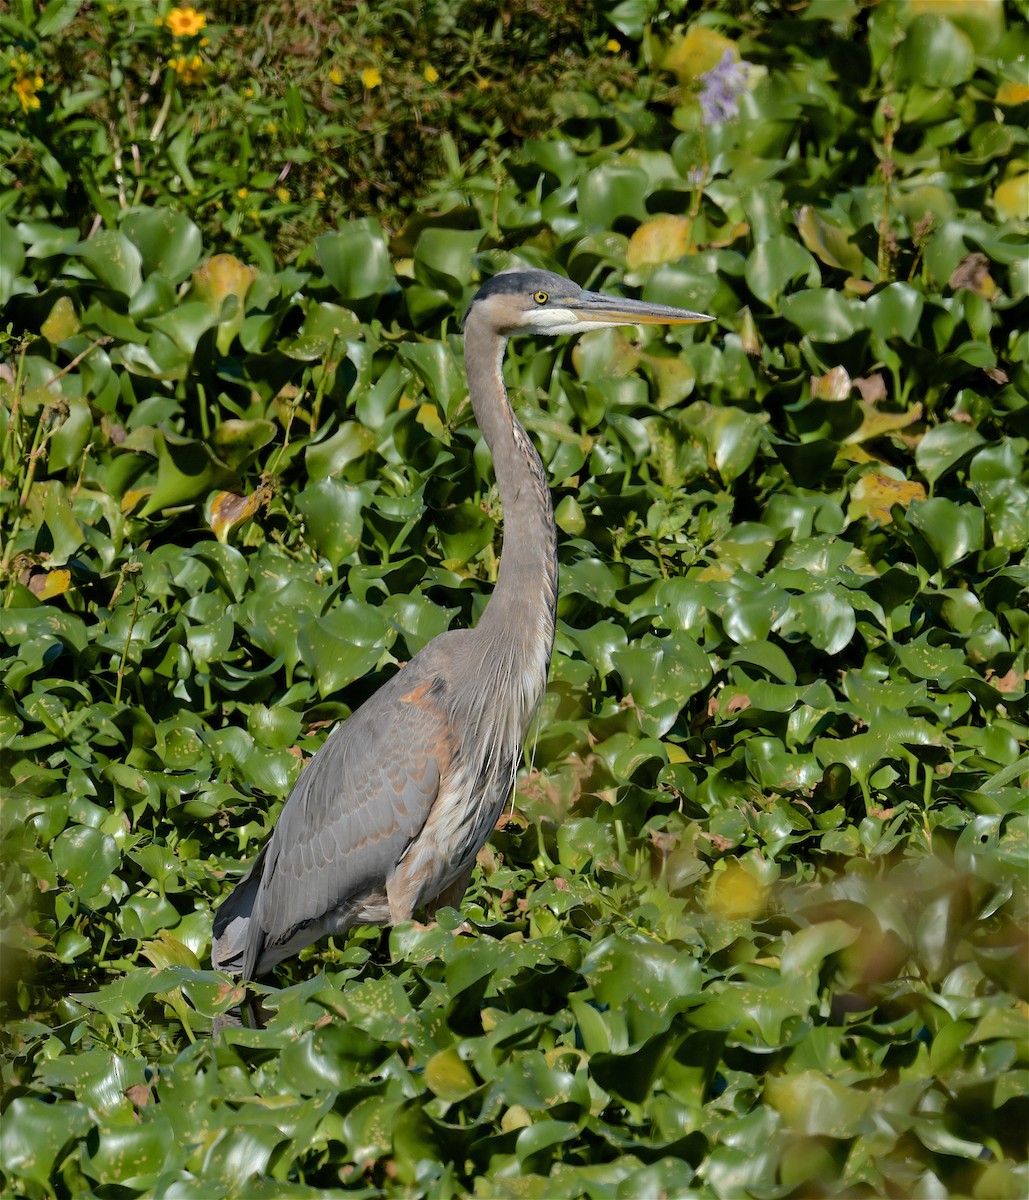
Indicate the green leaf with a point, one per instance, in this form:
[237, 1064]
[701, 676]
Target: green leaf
[114, 260]
[661, 674]
[775, 263]
[356, 262]
[943, 447]
[332, 513]
[34, 1134]
[952, 530]
[168, 241]
[448, 1076]
[934, 53]
[85, 857]
[809, 948]
[895, 311]
[821, 314]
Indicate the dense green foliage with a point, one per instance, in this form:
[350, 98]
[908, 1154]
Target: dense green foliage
[756, 924]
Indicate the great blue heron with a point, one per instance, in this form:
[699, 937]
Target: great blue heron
[388, 816]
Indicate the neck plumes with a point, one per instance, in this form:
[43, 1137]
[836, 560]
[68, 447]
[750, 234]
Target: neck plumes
[518, 624]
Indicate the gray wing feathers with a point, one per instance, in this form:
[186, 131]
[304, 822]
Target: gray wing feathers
[350, 818]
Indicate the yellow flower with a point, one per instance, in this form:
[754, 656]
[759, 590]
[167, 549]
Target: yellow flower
[613, 46]
[242, 193]
[190, 70]
[185, 22]
[27, 81]
[25, 88]
[431, 74]
[335, 76]
[283, 195]
[319, 193]
[371, 78]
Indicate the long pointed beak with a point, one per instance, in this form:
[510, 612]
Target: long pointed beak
[595, 308]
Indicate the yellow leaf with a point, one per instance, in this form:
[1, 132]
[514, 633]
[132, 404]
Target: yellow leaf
[833, 385]
[62, 323]
[134, 498]
[828, 242]
[736, 894]
[664, 239]
[229, 510]
[222, 275]
[875, 494]
[56, 582]
[1011, 199]
[876, 424]
[696, 53]
[167, 951]
[1011, 93]
[429, 419]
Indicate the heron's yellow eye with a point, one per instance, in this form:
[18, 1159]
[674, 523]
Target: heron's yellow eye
[540, 297]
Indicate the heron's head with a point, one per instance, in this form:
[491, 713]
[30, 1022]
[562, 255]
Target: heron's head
[521, 300]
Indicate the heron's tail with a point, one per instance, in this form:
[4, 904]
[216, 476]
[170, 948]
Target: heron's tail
[233, 931]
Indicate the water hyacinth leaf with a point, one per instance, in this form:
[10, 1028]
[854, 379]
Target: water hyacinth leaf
[114, 260]
[439, 368]
[464, 530]
[445, 258]
[186, 324]
[186, 470]
[69, 440]
[822, 314]
[894, 312]
[647, 981]
[531, 1083]
[831, 243]
[610, 193]
[776, 263]
[875, 494]
[934, 53]
[331, 456]
[536, 1138]
[662, 239]
[62, 323]
[85, 857]
[227, 511]
[696, 52]
[169, 242]
[235, 442]
[50, 508]
[1006, 503]
[945, 446]
[808, 948]
[33, 1135]
[824, 616]
[600, 643]
[733, 437]
[343, 646]
[241, 1152]
[332, 512]
[356, 262]
[661, 674]
[448, 1077]
[952, 530]
[815, 1105]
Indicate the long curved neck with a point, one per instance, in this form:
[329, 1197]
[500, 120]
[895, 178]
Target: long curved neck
[520, 614]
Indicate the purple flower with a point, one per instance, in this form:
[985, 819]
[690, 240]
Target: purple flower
[719, 98]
